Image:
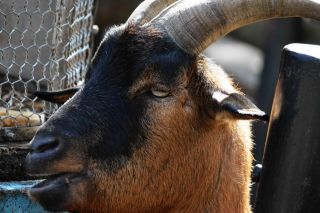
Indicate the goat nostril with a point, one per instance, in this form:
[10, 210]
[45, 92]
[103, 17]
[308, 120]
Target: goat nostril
[43, 144]
[45, 147]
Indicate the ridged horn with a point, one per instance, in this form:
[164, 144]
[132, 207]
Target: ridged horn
[147, 10]
[195, 24]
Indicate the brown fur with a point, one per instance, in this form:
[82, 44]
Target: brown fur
[206, 168]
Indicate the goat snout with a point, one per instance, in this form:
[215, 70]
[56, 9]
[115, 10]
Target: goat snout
[44, 149]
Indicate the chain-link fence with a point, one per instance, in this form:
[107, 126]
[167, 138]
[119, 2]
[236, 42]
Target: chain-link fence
[44, 45]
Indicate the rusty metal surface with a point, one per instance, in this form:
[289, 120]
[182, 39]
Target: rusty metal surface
[12, 159]
[290, 175]
[14, 146]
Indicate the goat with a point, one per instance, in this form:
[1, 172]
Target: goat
[156, 126]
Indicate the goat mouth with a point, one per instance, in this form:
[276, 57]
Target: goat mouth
[54, 183]
[54, 193]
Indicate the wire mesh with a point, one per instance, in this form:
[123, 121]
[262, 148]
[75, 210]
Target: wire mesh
[44, 45]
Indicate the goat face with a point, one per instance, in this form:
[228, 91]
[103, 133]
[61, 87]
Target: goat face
[133, 126]
[133, 94]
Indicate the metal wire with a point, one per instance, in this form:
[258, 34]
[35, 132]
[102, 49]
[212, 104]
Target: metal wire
[44, 45]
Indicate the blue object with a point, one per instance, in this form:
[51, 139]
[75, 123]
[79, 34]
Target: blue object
[13, 198]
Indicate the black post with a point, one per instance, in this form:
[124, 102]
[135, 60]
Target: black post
[290, 179]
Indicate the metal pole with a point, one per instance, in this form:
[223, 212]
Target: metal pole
[290, 179]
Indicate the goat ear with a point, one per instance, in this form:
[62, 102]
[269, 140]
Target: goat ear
[235, 106]
[58, 97]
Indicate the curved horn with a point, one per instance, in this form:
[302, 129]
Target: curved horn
[195, 24]
[147, 10]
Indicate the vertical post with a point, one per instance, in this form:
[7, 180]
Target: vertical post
[290, 179]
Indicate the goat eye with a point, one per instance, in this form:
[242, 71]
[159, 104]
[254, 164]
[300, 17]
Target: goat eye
[159, 93]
